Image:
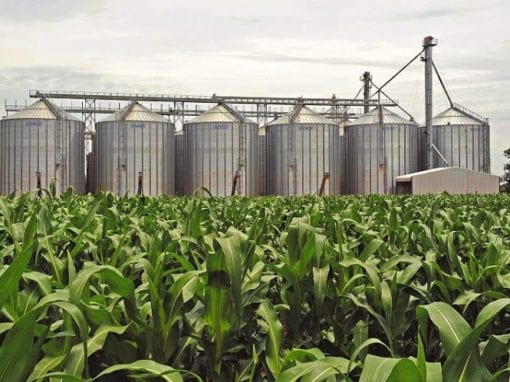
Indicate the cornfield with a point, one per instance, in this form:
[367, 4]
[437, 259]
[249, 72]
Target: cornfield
[386, 288]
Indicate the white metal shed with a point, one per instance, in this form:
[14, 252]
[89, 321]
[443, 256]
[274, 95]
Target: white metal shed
[454, 180]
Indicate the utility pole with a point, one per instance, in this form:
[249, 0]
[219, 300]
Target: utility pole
[366, 78]
[428, 43]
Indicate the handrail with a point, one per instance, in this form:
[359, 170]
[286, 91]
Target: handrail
[471, 113]
[332, 101]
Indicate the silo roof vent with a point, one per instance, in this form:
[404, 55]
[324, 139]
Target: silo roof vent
[455, 116]
[220, 113]
[372, 117]
[42, 109]
[302, 115]
[135, 112]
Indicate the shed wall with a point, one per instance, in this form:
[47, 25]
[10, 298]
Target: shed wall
[455, 181]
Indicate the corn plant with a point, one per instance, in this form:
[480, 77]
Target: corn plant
[387, 288]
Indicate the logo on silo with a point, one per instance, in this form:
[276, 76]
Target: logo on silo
[137, 125]
[33, 123]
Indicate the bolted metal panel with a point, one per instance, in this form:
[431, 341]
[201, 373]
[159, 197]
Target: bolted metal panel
[377, 153]
[299, 154]
[125, 148]
[54, 147]
[215, 150]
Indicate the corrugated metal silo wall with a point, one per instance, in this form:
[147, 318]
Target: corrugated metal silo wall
[298, 155]
[375, 157]
[466, 146]
[180, 157]
[215, 150]
[125, 148]
[55, 148]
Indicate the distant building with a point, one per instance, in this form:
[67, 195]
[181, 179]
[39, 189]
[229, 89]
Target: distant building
[454, 180]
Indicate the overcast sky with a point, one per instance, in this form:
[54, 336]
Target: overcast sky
[261, 47]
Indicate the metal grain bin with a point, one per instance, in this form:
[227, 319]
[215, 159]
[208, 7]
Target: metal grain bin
[134, 152]
[45, 140]
[463, 138]
[218, 144]
[380, 146]
[302, 147]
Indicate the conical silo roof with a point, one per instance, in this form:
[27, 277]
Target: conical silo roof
[303, 115]
[455, 116]
[372, 117]
[135, 112]
[220, 113]
[42, 109]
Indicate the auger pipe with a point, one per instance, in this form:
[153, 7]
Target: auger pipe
[325, 178]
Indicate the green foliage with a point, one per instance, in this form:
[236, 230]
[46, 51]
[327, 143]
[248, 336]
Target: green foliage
[506, 169]
[386, 288]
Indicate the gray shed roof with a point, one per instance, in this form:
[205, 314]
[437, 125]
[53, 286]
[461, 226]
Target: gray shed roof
[220, 113]
[135, 112]
[42, 109]
[408, 177]
[302, 115]
[372, 117]
[454, 116]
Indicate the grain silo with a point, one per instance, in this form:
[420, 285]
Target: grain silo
[41, 144]
[303, 151]
[134, 152]
[221, 153]
[380, 146]
[462, 138]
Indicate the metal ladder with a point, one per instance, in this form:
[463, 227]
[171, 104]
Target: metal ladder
[59, 154]
[122, 164]
[292, 180]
